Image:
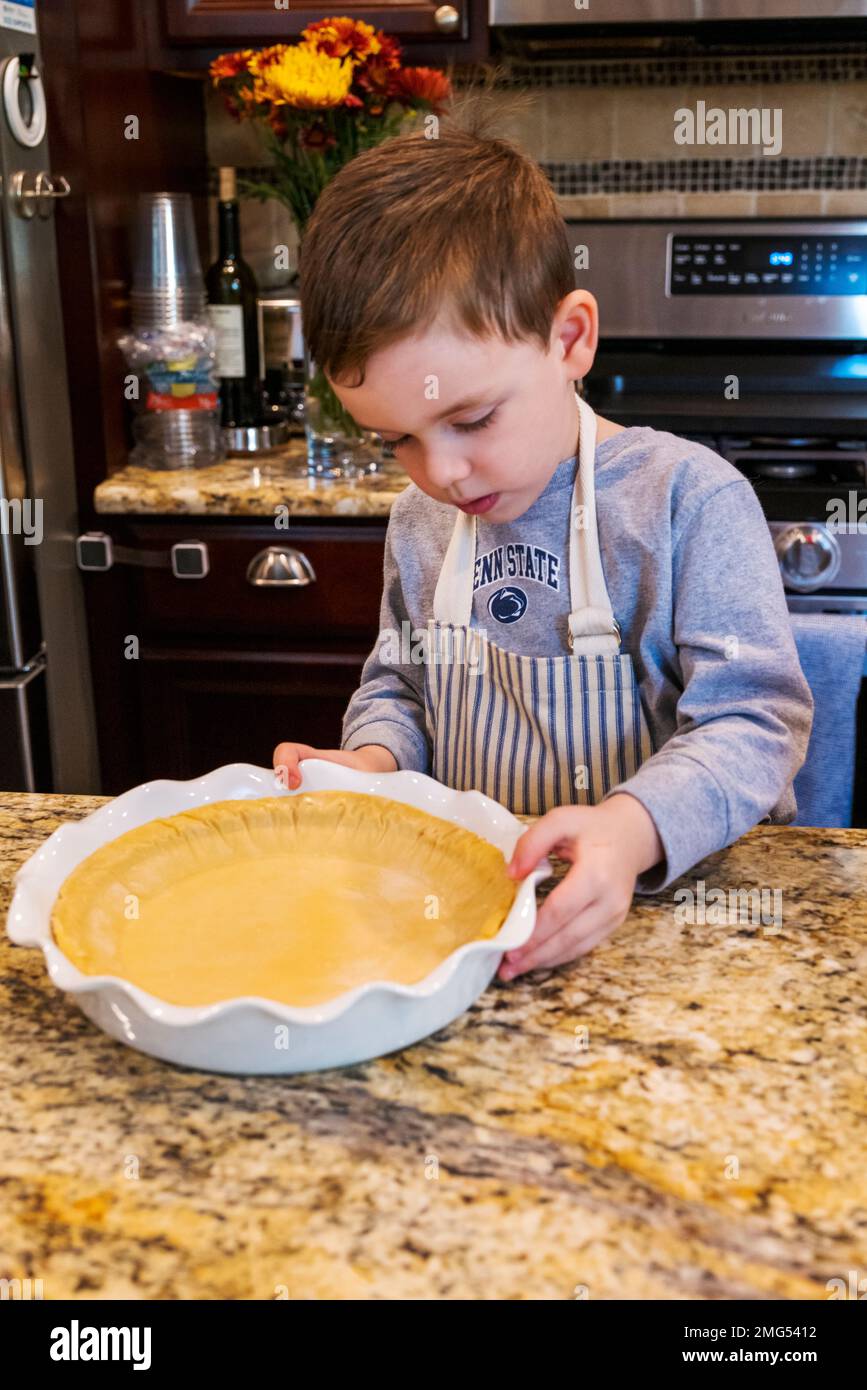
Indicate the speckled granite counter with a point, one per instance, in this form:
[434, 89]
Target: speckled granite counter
[707, 1143]
[242, 487]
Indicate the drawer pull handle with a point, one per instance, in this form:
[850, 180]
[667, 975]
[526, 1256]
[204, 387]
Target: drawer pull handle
[280, 567]
[447, 19]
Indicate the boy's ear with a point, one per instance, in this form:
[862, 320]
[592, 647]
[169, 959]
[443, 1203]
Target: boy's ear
[576, 328]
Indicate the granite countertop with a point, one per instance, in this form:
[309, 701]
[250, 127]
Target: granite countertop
[244, 487]
[707, 1143]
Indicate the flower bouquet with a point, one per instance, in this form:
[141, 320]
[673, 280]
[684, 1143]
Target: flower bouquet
[342, 88]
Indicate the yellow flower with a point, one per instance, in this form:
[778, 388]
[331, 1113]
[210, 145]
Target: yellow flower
[304, 78]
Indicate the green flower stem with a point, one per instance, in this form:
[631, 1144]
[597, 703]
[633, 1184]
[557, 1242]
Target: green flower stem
[332, 411]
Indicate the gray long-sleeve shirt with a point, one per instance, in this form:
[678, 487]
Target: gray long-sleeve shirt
[694, 583]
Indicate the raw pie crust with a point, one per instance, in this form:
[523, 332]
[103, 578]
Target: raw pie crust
[294, 898]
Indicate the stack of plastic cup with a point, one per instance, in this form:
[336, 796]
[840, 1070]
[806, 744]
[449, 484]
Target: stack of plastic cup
[181, 428]
[167, 283]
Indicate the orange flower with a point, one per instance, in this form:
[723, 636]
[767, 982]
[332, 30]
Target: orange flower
[423, 84]
[316, 138]
[390, 51]
[230, 64]
[377, 78]
[240, 103]
[343, 38]
[265, 57]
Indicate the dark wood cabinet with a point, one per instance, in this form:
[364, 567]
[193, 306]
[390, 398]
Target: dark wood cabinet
[101, 64]
[190, 674]
[433, 32]
[204, 708]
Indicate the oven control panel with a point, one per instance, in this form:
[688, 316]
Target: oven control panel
[799, 264]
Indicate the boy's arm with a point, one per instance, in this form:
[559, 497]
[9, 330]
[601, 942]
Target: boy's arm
[388, 706]
[745, 713]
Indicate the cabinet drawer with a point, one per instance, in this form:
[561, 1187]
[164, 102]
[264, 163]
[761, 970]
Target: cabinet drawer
[419, 25]
[340, 599]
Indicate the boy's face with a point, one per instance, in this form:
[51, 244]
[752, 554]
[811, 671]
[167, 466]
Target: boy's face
[480, 422]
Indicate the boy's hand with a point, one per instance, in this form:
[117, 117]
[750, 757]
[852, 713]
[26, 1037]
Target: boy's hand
[372, 757]
[609, 846]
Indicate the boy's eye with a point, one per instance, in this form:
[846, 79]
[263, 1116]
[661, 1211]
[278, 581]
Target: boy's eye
[464, 429]
[477, 424]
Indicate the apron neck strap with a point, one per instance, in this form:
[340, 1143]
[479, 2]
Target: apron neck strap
[593, 629]
[453, 596]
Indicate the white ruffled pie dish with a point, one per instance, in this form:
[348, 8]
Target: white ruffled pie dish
[244, 1035]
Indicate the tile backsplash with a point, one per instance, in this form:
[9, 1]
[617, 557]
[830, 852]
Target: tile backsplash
[604, 131]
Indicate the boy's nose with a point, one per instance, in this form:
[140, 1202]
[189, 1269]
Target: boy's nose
[445, 470]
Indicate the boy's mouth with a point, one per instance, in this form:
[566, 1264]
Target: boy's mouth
[480, 504]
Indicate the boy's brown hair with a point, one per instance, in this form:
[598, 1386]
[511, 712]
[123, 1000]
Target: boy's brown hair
[463, 223]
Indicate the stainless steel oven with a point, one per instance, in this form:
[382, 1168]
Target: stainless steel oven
[751, 337]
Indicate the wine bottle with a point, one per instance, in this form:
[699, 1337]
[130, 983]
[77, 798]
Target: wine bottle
[232, 299]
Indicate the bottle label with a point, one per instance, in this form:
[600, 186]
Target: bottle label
[199, 400]
[227, 321]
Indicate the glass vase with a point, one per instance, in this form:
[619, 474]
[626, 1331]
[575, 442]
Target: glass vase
[336, 446]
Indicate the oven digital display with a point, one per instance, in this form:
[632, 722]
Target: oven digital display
[800, 265]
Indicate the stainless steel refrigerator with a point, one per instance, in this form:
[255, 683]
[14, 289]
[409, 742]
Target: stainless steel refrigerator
[47, 734]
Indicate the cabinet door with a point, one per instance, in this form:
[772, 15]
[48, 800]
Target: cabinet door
[202, 709]
[459, 27]
[189, 674]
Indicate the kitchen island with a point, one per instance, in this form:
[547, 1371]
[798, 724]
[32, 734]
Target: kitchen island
[678, 1115]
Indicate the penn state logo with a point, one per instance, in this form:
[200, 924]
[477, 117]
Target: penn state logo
[507, 605]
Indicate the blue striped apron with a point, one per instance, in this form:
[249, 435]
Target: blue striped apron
[534, 732]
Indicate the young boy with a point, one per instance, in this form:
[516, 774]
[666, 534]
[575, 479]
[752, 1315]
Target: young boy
[606, 642]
